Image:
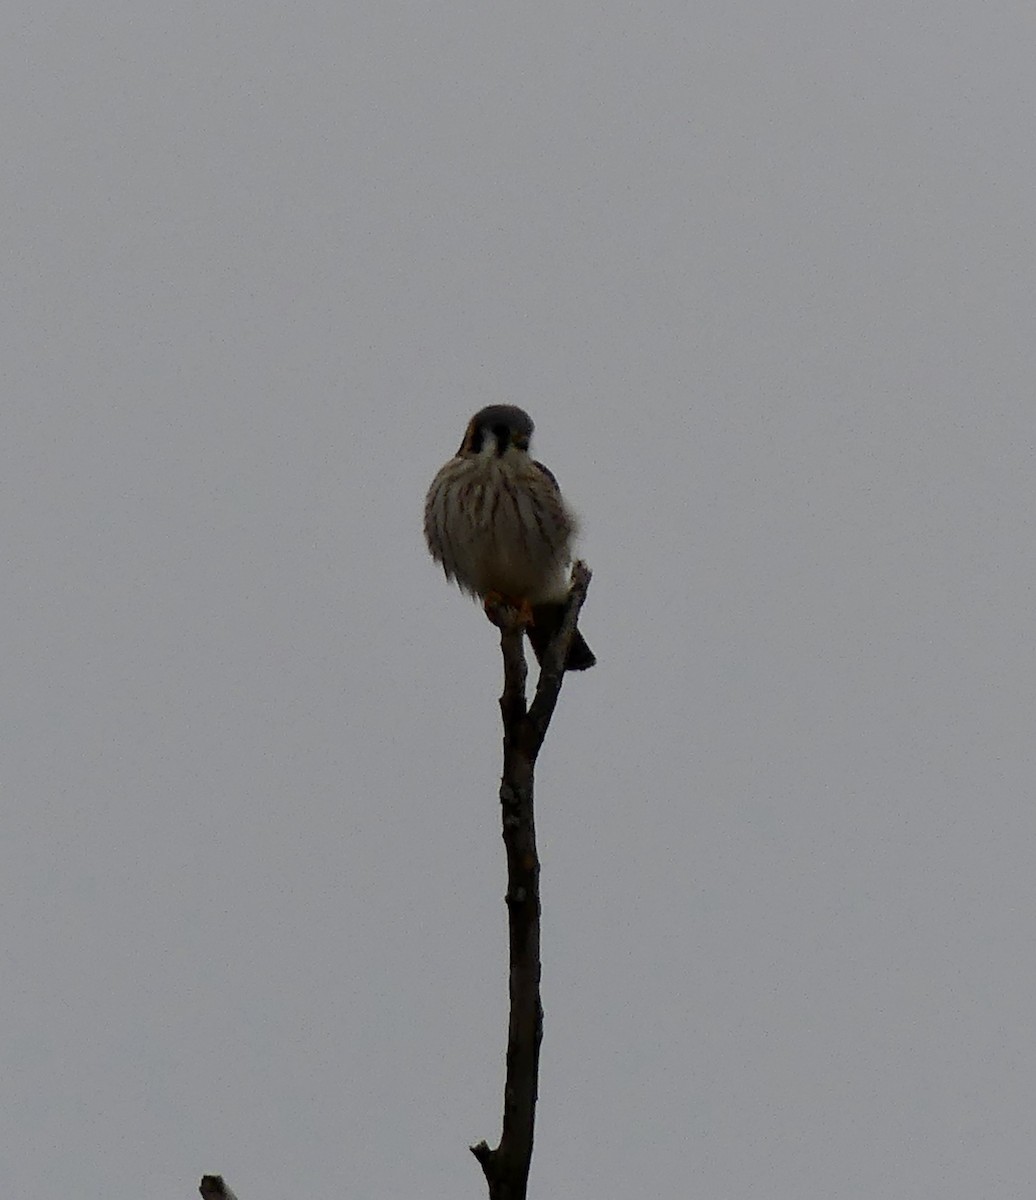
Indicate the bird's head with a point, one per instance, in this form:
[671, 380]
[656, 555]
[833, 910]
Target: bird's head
[497, 429]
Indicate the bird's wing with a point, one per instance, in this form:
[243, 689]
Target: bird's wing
[560, 515]
[549, 474]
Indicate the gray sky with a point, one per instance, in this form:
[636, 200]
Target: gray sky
[764, 276]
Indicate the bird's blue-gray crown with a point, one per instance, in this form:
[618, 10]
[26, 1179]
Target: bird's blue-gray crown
[505, 424]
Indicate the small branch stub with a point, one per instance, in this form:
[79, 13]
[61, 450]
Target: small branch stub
[213, 1188]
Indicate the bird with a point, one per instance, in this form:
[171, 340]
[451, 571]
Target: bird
[496, 522]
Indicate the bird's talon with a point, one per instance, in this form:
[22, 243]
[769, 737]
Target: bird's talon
[503, 610]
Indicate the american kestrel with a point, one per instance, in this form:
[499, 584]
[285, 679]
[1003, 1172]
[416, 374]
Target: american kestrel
[494, 518]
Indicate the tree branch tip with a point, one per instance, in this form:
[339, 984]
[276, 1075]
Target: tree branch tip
[482, 1152]
[212, 1187]
[581, 574]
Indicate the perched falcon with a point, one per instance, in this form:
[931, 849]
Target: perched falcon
[494, 518]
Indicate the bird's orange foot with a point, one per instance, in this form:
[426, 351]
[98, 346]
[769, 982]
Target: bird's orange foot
[525, 616]
[504, 611]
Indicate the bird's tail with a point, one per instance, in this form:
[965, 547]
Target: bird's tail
[546, 621]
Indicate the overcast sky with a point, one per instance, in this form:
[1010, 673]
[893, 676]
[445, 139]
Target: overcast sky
[764, 276]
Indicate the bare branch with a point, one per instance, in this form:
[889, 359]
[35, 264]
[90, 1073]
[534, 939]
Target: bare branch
[512, 702]
[552, 673]
[507, 1167]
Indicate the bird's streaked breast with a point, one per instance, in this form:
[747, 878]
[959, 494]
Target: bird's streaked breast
[498, 523]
